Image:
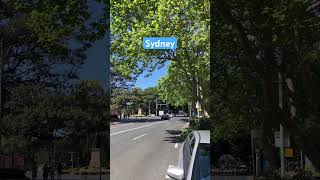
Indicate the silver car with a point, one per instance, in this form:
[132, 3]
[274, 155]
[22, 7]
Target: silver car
[194, 158]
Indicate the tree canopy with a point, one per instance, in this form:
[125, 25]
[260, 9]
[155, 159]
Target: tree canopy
[248, 41]
[185, 20]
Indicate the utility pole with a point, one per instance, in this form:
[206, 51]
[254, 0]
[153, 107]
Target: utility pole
[156, 107]
[253, 155]
[282, 168]
[71, 154]
[190, 111]
[293, 110]
[198, 103]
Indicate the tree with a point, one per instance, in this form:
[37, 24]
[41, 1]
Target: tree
[37, 39]
[138, 97]
[149, 96]
[256, 35]
[42, 117]
[174, 87]
[188, 21]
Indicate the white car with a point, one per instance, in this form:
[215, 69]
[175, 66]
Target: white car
[194, 158]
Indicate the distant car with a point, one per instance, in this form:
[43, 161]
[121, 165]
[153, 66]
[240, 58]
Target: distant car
[194, 158]
[165, 117]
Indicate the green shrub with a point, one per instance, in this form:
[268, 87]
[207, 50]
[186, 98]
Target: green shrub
[203, 123]
[185, 132]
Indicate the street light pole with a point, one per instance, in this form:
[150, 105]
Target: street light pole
[156, 107]
[282, 168]
[198, 103]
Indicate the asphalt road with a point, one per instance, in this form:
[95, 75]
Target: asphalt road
[142, 149]
[232, 178]
[73, 177]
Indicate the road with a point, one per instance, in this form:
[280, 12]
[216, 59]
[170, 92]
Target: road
[142, 149]
[73, 177]
[232, 178]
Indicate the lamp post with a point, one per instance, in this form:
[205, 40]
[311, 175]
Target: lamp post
[282, 159]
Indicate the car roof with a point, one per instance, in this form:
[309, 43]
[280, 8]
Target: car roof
[203, 135]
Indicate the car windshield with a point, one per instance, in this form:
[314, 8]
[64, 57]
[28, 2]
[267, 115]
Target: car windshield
[201, 168]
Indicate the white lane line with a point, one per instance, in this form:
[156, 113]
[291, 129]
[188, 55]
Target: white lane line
[135, 128]
[119, 125]
[176, 146]
[138, 137]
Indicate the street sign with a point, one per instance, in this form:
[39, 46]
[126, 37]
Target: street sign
[277, 139]
[288, 152]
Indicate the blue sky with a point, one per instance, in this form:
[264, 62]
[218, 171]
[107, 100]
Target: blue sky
[96, 66]
[151, 81]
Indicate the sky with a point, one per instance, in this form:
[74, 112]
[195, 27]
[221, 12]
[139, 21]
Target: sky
[96, 66]
[151, 81]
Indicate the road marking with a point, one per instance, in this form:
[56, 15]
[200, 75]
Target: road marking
[119, 125]
[176, 145]
[120, 132]
[138, 137]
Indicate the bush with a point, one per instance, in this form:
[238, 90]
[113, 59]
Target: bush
[202, 123]
[185, 132]
[196, 123]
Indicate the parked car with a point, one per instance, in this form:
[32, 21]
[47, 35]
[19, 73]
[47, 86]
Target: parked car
[194, 158]
[165, 117]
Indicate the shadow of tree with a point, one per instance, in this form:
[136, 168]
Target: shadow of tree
[136, 120]
[173, 136]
